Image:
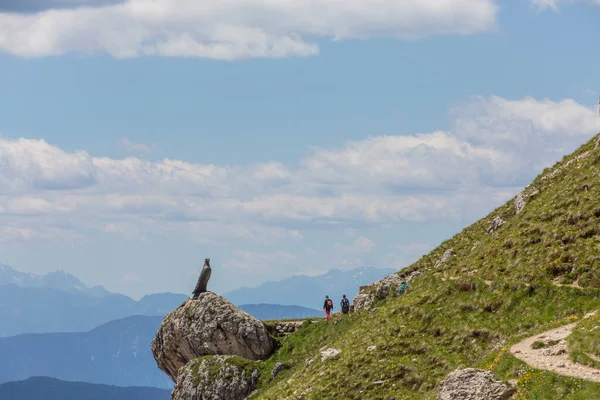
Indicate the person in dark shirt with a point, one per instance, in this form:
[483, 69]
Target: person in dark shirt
[345, 304]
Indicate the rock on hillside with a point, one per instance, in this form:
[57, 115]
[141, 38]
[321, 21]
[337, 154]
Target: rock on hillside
[380, 290]
[210, 325]
[215, 378]
[474, 384]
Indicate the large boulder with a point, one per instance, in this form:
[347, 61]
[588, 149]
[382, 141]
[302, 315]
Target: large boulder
[210, 325]
[387, 285]
[364, 301]
[216, 378]
[474, 384]
[368, 294]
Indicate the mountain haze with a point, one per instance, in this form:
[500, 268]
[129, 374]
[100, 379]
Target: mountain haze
[57, 280]
[116, 353]
[276, 311]
[42, 310]
[38, 388]
[309, 291]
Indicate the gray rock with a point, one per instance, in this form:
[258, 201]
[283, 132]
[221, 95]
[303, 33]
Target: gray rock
[519, 203]
[387, 285]
[474, 384]
[216, 378]
[308, 362]
[277, 369]
[208, 326]
[447, 254]
[363, 301]
[329, 353]
[496, 223]
[411, 277]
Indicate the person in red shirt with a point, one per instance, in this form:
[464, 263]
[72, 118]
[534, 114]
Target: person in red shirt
[328, 306]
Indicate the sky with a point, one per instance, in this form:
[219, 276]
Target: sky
[276, 137]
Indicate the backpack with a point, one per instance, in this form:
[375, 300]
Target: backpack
[329, 303]
[345, 302]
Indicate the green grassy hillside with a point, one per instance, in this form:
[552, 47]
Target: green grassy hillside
[538, 270]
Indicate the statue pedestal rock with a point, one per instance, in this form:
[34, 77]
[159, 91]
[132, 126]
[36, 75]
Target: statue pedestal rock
[210, 325]
[215, 342]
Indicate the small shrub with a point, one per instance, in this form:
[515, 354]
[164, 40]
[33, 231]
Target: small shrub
[538, 345]
[468, 307]
[493, 306]
[557, 269]
[508, 244]
[466, 287]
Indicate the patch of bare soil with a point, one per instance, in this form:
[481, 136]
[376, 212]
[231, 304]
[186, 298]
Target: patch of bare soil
[551, 354]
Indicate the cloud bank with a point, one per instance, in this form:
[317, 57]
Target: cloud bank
[231, 29]
[554, 4]
[495, 147]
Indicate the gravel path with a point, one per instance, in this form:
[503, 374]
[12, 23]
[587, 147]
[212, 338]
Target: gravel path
[554, 356]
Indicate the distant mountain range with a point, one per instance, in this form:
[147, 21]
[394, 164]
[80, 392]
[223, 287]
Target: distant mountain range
[59, 302]
[39, 388]
[309, 291]
[58, 280]
[116, 353]
[276, 311]
[42, 310]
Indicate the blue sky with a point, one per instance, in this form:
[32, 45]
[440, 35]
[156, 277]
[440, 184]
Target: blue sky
[139, 137]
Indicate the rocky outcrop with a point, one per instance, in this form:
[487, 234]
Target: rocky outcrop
[474, 384]
[447, 254]
[387, 285]
[519, 203]
[522, 198]
[496, 223]
[560, 169]
[208, 326]
[216, 378]
[368, 294]
[285, 328]
[329, 353]
[278, 368]
[411, 277]
[364, 301]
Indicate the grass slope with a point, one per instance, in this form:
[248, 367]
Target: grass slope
[584, 343]
[495, 290]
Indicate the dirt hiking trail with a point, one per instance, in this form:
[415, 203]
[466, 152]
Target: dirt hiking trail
[554, 356]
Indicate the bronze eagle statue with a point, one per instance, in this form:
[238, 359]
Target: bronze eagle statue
[202, 279]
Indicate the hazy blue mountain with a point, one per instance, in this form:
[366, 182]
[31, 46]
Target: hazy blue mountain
[58, 280]
[39, 388]
[116, 353]
[276, 311]
[41, 310]
[309, 291]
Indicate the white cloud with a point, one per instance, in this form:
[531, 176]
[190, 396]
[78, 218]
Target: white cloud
[261, 262]
[495, 147]
[363, 244]
[554, 4]
[234, 29]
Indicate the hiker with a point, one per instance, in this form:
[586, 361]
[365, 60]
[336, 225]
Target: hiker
[328, 306]
[345, 303]
[402, 288]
